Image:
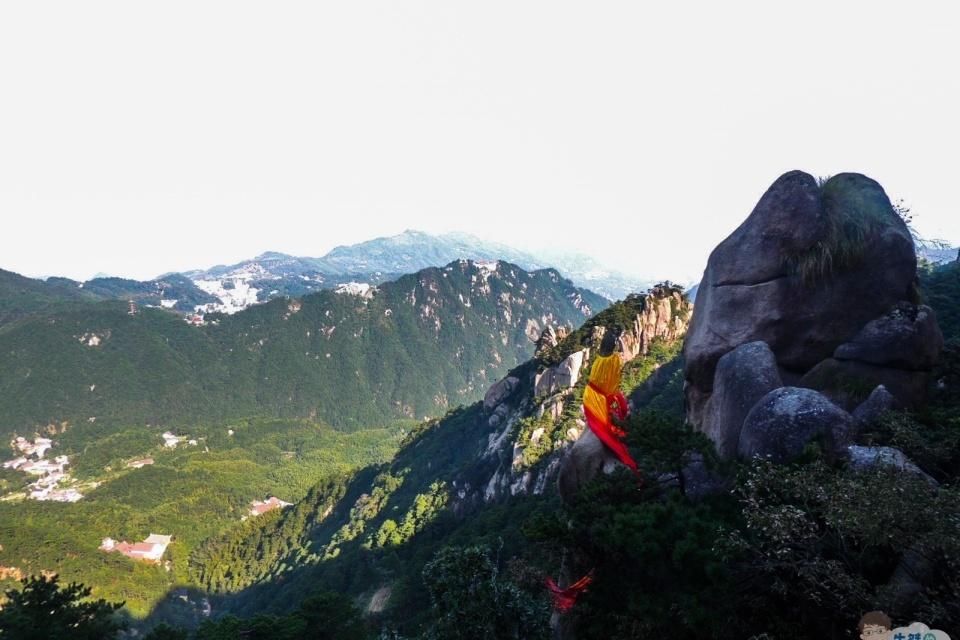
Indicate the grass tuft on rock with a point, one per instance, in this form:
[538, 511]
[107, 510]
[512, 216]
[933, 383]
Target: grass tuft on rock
[854, 211]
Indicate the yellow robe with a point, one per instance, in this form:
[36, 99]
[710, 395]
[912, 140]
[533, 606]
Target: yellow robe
[605, 374]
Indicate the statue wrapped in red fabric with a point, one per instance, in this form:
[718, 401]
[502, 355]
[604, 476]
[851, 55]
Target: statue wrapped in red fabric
[603, 402]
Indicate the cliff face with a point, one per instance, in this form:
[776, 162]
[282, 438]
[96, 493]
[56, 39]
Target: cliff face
[535, 414]
[664, 317]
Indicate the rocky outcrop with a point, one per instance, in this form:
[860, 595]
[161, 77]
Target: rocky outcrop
[545, 394]
[905, 337]
[897, 350]
[743, 377]
[563, 376]
[500, 392]
[866, 458]
[664, 316]
[782, 423]
[824, 276]
[879, 402]
[587, 458]
[550, 338]
[846, 382]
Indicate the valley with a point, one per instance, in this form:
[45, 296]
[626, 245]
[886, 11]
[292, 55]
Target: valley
[150, 422]
[189, 492]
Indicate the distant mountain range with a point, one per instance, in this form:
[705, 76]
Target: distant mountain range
[937, 252]
[374, 261]
[232, 288]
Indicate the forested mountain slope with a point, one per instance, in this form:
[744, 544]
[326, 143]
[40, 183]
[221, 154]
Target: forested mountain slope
[460, 477]
[411, 348]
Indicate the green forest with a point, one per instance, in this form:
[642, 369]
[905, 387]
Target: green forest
[420, 345]
[192, 493]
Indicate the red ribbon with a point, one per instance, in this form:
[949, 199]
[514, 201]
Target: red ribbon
[564, 599]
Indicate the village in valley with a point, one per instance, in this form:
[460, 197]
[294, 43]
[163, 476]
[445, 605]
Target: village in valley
[155, 545]
[55, 484]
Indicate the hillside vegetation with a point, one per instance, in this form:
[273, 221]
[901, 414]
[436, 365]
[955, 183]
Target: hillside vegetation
[191, 492]
[412, 348]
[810, 545]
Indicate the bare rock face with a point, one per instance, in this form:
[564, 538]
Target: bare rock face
[587, 458]
[824, 275]
[500, 392]
[665, 316]
[563, 376]
[743, 377]
[550, 338]
[782, 423]
[547, 339]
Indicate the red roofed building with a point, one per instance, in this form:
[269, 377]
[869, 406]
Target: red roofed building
[151, 549]
[258, 508]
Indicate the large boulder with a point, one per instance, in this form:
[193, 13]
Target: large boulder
[587, 458]
[782, 423]
[905, 337]
[897, 350]
[879, 402]
[563, 376]
[804, 273]
[861, 458]
[848, 382]
[500, 392]
[743, 377]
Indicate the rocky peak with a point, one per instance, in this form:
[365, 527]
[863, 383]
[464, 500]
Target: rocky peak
[664, 316]
[550, 338]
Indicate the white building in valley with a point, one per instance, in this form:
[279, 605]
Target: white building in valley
[150, 550]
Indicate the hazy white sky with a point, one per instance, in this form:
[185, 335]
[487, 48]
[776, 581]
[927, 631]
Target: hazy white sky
[138, 138]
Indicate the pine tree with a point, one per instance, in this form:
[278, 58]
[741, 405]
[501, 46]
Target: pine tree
[43, 610]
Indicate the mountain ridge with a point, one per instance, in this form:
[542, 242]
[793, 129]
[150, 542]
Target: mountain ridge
[230, 288]
[467, 322]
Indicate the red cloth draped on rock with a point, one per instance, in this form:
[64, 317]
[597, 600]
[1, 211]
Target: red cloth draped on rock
[564, 599]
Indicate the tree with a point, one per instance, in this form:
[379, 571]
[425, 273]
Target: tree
[472, 602]
[42, 610]
[331, 616]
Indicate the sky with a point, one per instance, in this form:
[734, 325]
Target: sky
[140, 138]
